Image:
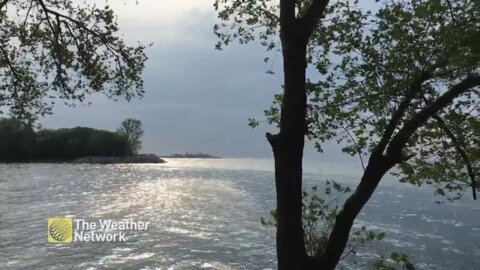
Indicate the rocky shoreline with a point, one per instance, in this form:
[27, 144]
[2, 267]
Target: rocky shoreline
[190, 155]
[144, 158]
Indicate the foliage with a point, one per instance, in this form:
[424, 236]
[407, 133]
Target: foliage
[72, 143]
[17, 140]
[106, 143]
[57, 49]
[402, 79]
[131, 129]
[246, 20]
[396, 259]
[318, 215]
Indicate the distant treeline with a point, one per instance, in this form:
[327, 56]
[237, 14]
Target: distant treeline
[20, 142]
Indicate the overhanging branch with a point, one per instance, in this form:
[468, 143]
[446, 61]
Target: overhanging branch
[414, 88]
[79, 24]
[410, 127]
[9, 64]
[460, 148]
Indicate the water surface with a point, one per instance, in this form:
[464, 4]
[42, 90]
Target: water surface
[204, 214]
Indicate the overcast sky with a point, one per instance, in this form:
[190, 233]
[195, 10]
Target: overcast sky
[197, 99]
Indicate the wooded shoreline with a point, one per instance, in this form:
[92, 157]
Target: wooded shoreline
[142, 158]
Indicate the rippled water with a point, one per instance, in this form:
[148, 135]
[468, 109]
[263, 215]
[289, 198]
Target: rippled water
[204, 214]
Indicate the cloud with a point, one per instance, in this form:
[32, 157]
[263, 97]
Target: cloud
[166, 21]
[198, 98]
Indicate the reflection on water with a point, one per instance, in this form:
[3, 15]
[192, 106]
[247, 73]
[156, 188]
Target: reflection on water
[204, 214]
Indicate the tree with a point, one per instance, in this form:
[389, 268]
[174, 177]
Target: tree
[131, 128]
[78, 142]
[405, 93]
[295, 21]
[106, 143]
[399, 85]
[17, 141]
[52, 50]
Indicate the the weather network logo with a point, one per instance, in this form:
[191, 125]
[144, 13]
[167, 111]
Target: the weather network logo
[60, 230]
[64, 230]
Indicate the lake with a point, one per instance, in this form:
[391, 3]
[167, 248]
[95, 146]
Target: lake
[205, 214]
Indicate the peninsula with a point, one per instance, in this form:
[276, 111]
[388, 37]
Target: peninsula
[19, 143]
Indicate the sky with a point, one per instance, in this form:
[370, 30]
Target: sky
[197, 99]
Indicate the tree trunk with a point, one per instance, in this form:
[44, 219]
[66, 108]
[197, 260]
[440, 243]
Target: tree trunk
[288, 154]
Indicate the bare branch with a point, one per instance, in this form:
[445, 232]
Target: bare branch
[359, 151]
